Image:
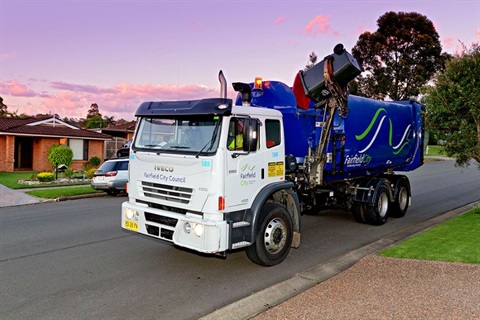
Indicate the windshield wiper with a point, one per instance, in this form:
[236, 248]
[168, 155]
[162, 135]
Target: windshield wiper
[179, 147]
[212, 141]
[152, 146]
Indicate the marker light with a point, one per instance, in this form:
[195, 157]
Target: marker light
[258, 84]
[221, 203]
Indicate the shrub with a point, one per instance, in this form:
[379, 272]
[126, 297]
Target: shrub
[69, 173]
[90, 173]
[95, 161]
[45, 176]
[60, 154]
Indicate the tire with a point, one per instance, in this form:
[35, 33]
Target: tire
[378, 213]
[274, 237]
[359, 212]
[402, 198]
[112, 193]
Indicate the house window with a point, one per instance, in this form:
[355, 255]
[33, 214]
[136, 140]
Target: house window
[79, 148]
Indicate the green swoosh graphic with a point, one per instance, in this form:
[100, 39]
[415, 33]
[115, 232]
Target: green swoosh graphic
[400, 150]
[390, 135]
[369, 128]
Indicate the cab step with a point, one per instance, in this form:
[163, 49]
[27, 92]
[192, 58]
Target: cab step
[240, 224]
[241, 244]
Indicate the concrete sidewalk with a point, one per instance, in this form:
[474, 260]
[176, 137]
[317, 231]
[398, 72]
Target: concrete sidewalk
[9, 197]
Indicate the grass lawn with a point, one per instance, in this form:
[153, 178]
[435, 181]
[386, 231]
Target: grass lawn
[53, 193]
[455, 240]
[436, 151]
[10, 180]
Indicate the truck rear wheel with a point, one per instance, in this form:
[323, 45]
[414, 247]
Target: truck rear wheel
[402, 199]
[378, 213]
[359, 212]
[274, 237]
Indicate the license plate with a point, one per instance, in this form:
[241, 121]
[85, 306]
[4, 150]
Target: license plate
[131, 225]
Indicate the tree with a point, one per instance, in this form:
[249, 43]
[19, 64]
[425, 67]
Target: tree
[94, 118]
[110, 121]
[93, 111]
[3, 108]
[453, 106]
[96, 122]
[400, 57]
[60, 154]
[312, 59]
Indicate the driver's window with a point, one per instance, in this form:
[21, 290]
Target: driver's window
[235, 134]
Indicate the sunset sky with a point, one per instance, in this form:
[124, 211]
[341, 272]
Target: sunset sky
[60, 56]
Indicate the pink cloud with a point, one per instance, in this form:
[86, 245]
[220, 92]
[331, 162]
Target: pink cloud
[478, 35]
[74, 100]
[448, 42]
[279, 20]
[16, 89]
[361, 29]
[196, 26]
[77, 87]
[319, 25]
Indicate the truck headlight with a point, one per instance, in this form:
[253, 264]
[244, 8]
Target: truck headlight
[198, 229]
[129, 214]
[187, 227]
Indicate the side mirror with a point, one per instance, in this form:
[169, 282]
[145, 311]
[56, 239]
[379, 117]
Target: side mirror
[250, 135]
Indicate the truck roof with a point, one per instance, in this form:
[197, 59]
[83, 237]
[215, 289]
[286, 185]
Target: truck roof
[255, 111]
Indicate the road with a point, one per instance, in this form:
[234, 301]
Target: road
[71, 260]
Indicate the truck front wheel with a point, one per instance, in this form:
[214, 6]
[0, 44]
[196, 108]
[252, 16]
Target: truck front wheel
[274, 237]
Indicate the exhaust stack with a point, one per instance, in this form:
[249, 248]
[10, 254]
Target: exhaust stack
[223, 85]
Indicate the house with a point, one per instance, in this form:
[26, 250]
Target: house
[120, 133]
[25, 143]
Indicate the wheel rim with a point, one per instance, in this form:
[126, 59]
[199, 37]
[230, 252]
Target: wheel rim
[382, 206]
[402, 198]
[275, 236]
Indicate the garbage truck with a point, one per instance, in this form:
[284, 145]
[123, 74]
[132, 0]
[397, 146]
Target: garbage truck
[218, 174]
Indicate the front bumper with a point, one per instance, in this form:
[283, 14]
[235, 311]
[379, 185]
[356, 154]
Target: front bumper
[184, 230]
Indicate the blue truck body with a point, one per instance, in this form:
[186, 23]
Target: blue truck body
[375, 136]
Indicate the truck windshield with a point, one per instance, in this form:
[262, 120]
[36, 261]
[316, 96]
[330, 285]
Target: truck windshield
[187, 134]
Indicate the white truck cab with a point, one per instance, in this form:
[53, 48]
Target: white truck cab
[209, 176]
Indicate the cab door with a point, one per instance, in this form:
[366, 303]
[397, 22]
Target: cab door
[243, 163]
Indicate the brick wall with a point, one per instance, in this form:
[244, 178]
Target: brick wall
[7, 147]
[95, 149]
[40, 153]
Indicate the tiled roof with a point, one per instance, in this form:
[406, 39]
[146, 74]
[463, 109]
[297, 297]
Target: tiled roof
[129, 126]
[27, 126]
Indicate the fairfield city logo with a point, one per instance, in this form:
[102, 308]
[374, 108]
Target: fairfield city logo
[163, 168]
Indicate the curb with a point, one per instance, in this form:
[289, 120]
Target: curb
[263, 300]
[81, 196]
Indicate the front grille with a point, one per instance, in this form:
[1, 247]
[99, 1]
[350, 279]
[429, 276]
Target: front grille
[167, 192]
[162, 207]
[171, 222]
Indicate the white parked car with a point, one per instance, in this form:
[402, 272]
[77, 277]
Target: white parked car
[111, 176]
